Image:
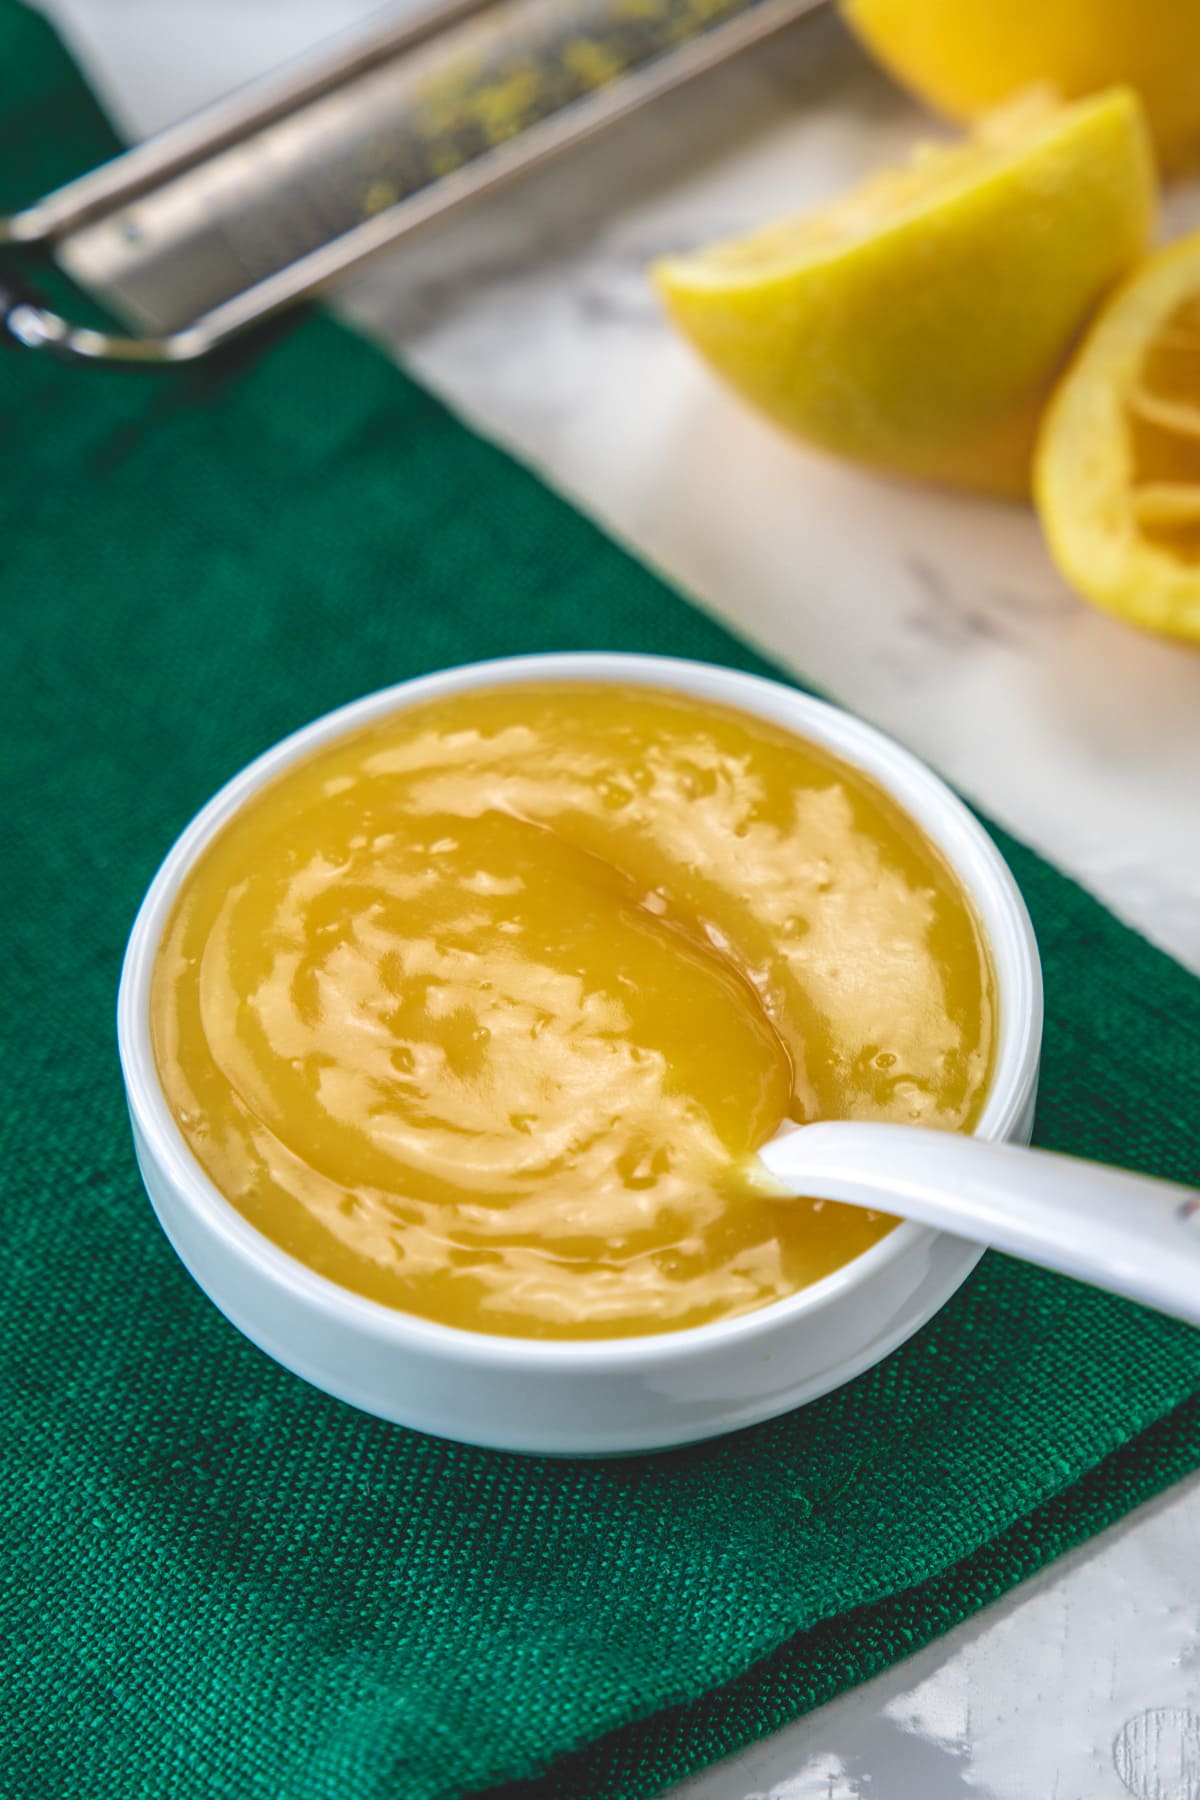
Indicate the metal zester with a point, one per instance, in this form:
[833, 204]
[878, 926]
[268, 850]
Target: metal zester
[265, 198]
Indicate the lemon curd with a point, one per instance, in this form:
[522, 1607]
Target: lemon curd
[482, 1010]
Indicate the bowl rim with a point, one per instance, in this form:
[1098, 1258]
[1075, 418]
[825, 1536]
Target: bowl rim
[921, 794]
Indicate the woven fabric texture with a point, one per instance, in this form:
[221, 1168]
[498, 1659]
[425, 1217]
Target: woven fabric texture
[216, 1581]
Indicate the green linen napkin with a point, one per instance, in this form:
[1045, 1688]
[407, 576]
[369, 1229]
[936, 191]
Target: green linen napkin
[216, 1580]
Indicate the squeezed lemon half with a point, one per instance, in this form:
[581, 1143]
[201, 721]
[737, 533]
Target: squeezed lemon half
[965, 56]
[1118, 461]
[918, 322]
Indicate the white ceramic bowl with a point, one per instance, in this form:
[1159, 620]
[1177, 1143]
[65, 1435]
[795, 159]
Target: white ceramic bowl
[615, 1396]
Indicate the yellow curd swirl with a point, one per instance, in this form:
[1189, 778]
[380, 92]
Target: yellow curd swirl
[482, 1010]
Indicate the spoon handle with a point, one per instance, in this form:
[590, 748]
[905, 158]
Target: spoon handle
[1125, 1232]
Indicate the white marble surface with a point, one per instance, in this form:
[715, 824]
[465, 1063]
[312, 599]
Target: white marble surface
[938, 617]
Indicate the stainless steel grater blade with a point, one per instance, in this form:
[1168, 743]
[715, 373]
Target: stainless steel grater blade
[267, 197]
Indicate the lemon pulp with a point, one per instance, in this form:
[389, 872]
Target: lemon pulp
[1117, 471]
[1162, 416]
[482, 1010]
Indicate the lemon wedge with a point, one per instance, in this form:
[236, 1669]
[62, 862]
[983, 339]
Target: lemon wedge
[965, 56]
[918, 322]
[1117, 472]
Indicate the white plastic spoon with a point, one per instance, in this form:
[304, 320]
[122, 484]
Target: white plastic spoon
[1128, 1233]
